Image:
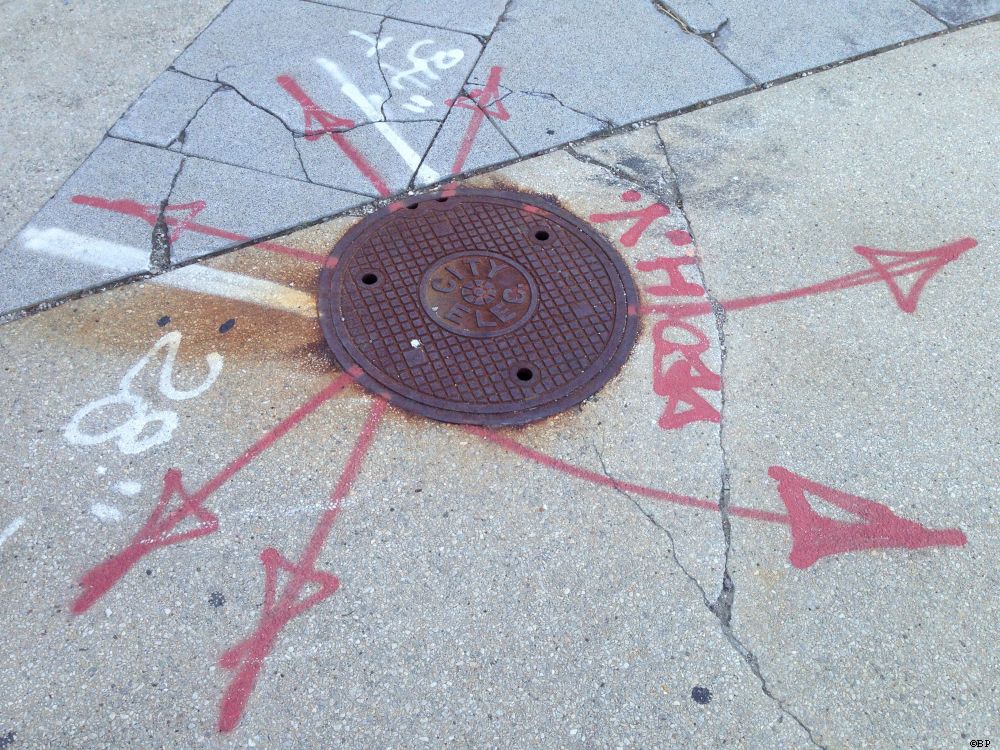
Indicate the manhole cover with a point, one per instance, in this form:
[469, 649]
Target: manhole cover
[480, 307]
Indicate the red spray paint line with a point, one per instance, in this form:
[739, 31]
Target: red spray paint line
[246, 658]
[150, 214]
[887, 266]
[160, 529]
[813, 536]
[482, 102]
[332, 126]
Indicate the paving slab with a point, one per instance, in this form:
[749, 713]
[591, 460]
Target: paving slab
[475, 16]
[798, 35]
[69, 246]
[226, 128]
[961, 11]
[866, 379]
[244, 203]
[162, 112]
[68, 71]
[626, 63]
[467, 140]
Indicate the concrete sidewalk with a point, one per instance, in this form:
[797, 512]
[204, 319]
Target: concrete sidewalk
[790, 546]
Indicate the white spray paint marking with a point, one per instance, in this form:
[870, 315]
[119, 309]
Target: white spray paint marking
[128, 488]
[369, 106]
[12, 527]
[194, 278]
[235, 286]
[106, 513]
[131, 436]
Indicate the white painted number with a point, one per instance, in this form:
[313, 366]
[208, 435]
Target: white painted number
[135, 434]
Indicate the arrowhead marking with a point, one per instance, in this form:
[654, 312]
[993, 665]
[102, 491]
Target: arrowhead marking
[815, 536]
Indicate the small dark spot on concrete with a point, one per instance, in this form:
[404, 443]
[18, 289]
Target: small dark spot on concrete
[163, 321]
[149, 571]
[551, 132]
[227, 326]
[217, 599]
[7, 740]
[701, 695]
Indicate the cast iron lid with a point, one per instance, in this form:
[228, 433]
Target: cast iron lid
[478, 306]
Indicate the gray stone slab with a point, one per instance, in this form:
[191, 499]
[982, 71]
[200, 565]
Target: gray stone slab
[254, 42]
[474, 16]
[230, 129]
[68, 247]
[364, 160]
[462, 146]
[797, 35]
[246, 203]
[624, 64]
[286, 56]
[877, 395]
[961, 11]
[162, 111]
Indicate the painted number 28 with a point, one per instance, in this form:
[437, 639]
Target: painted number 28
[135, 434]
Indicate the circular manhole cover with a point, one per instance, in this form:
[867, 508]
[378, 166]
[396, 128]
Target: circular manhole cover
[479, 307]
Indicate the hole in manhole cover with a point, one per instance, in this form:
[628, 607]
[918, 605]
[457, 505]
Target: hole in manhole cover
[480, 307]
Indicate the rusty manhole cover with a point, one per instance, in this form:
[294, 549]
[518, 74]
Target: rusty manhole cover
[479, 307]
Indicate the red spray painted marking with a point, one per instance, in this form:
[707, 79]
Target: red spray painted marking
[591, 476]
[924, 263]
[247, 657]
[679, 238]
[643, 217]
[482, 102]
[158, 530]
[332, 126]
[813, 536]
[150, 215]
[677, 383]
[678, 369]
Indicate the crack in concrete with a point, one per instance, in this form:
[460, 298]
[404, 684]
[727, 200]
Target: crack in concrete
[226, 86]
[708, 35]
[608, 124]
[159, 254]
[715, 36]
[722, 607]
[216, 160]
[613, 169]
[461, 90]
[378, 61]
[182, 135]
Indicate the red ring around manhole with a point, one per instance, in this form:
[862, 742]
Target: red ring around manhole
[479, 307]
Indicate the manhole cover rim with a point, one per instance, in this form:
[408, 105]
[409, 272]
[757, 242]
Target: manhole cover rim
[605, 367]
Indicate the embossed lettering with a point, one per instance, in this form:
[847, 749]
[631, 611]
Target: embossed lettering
[457, 312]
[503, 313]
[516, 295]
[484, 322]
[443, 286]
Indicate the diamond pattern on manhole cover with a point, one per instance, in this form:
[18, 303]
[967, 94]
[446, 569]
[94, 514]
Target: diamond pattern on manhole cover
[478, 307]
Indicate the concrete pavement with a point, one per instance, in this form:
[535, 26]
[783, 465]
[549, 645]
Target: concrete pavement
[775, 528]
